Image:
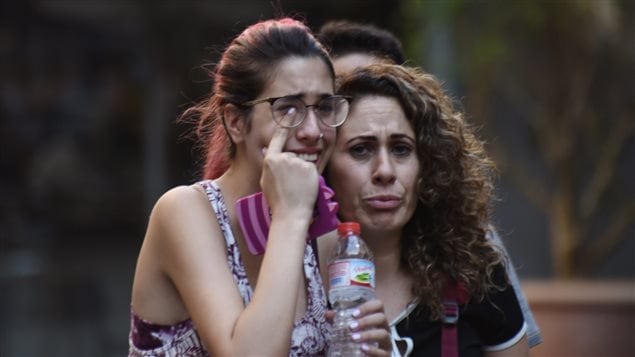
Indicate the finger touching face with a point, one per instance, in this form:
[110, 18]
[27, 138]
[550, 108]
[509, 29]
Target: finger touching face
[278, 140]
[309, 79]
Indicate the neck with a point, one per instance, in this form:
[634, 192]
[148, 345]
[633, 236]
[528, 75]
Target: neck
[241, 179]
[386, 249]
[393, 283]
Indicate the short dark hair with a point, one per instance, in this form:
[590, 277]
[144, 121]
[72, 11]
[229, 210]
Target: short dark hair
[342, 37]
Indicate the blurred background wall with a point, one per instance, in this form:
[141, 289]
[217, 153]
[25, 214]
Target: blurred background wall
[90, 91]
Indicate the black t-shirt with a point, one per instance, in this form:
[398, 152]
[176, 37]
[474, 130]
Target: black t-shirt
[492, 322]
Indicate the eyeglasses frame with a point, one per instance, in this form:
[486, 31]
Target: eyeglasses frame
[272, 100]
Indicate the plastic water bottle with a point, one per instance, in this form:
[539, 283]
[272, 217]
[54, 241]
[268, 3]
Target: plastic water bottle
[351, 283]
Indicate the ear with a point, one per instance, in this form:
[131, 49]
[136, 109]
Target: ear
[234, 119]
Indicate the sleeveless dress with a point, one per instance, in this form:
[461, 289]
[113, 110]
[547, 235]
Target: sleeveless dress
[310, 333]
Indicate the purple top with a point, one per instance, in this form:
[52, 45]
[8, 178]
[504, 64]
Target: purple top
[310, 333]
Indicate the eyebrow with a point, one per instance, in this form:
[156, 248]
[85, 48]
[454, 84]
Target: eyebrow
[363, 138]
[402, 136]
[302, 96]
[325, 95]
[374, 138]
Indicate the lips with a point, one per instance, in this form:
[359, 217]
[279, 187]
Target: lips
[383, 202]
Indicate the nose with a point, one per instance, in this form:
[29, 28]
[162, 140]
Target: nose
[309, 130]
[384, 169]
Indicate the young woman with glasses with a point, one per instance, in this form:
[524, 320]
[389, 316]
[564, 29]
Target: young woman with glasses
[270, 125]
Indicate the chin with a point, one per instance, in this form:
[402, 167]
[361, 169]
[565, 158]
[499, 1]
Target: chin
[386, 222]
[383, 224]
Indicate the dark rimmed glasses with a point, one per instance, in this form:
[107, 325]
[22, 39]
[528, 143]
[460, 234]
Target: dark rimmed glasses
[290, 111]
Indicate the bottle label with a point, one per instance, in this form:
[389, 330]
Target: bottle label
[349, 272]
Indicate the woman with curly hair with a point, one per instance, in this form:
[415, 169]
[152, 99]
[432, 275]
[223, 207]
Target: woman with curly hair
[411, 171]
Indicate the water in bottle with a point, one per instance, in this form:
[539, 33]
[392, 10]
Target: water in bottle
[351, 283]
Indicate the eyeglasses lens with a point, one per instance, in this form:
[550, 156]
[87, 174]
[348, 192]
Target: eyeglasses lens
[291, 112]
[288, 112]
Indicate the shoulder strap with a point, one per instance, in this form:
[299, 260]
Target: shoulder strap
[454, 294]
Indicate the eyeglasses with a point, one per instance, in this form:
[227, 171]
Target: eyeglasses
[290, 111]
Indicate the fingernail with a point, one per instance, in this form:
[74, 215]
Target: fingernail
[355, 312]
[356, 336]
[353, 325]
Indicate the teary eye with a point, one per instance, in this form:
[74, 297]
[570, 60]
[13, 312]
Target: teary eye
[360, 150]
[325, 107]
[287, 110]
[402, 150]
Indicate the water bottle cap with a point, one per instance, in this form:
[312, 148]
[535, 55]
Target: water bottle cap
[348, 227]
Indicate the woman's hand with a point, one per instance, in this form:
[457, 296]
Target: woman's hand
[290, 184]
[370, 328]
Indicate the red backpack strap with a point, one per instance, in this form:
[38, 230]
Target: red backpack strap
[454, 294]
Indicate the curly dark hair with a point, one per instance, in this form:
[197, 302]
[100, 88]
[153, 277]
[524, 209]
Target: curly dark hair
[446, 236]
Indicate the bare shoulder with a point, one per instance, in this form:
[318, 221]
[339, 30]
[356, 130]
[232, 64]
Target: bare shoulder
[179, 206]
[183, 249]
[179, 198]
[182, 222]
